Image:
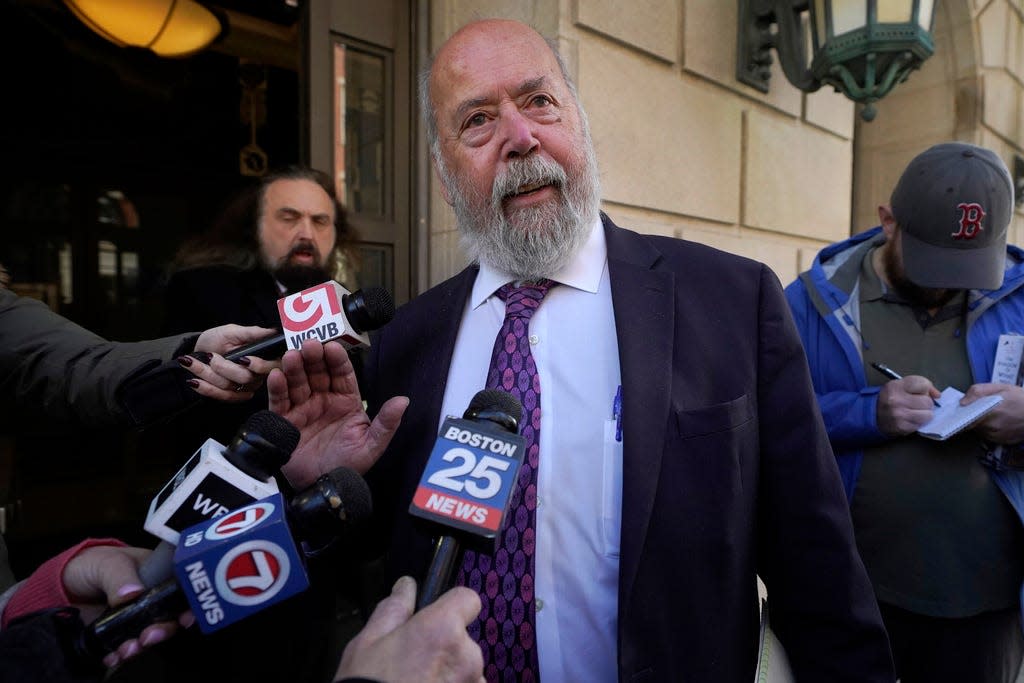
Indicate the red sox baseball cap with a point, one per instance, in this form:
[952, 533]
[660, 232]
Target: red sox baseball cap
[953, 204]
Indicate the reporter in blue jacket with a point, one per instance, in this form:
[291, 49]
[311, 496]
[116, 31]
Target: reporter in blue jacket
[938, 523]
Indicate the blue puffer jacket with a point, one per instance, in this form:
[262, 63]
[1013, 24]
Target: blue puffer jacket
[824, 304]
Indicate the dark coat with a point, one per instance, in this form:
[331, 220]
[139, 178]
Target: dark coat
[727, 474]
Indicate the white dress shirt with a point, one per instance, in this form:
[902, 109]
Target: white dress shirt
[579, 487]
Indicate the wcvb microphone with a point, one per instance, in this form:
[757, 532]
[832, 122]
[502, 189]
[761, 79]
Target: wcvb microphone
[215, 480]
[238, 564]
[326, 312]
[468, 482]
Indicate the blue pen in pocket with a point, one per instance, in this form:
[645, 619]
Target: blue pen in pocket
[617, 413]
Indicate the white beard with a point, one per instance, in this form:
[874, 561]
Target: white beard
[533, 242]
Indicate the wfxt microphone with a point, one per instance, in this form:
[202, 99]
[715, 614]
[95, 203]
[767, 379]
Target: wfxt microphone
[325, 312]
[261, 566]
[215, 480]
[468, 482]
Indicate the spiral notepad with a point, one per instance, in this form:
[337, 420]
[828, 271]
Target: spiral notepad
[951, 417]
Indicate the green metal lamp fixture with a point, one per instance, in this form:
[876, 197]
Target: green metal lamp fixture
[862, 48]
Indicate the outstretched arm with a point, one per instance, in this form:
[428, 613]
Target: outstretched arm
[316, 390]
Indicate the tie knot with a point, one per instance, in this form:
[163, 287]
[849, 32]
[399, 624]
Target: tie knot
[522, 301]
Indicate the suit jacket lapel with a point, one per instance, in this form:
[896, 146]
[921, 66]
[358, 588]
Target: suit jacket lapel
[644, 302]
[441, 322]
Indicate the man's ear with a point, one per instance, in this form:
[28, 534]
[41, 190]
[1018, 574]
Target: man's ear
[887, 219]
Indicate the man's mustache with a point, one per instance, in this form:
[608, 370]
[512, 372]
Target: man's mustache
[304, 245]
[528, 171]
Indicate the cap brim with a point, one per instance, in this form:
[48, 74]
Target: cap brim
[936, 268]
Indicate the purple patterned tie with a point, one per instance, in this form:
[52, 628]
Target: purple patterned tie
[505, 627]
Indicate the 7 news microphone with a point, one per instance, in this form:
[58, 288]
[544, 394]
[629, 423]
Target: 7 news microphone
[325, 312]
[213, 481]
[235, 565]
[468, 482]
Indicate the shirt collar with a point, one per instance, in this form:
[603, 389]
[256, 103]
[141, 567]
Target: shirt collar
[583, 271]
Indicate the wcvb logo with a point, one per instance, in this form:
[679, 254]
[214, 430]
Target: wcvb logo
[304, 310]
[252, 573]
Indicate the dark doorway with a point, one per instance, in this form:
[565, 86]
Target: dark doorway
[112, 157]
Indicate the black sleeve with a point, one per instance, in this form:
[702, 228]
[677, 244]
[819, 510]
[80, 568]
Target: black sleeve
[156, 391]
[40, 647]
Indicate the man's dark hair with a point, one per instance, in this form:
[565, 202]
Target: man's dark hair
[232, 239]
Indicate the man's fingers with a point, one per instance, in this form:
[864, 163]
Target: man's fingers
[392, 611]
[386, 422]
[294, 364]
[277, 390]
[976, 391]
[341, 373]
[460, 601]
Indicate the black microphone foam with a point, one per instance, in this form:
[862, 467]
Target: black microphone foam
[369, 309]
[497, 406]
[263, 444]
[321, 512]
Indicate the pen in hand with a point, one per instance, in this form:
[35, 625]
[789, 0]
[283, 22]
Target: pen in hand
[892, 374]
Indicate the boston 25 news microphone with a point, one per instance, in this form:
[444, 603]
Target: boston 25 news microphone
[325, 312]
[468, 481]
[255, 576]
[215, 480]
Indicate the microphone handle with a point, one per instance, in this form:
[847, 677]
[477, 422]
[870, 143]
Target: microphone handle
[162, 603]
[270, 348]
[447, 555]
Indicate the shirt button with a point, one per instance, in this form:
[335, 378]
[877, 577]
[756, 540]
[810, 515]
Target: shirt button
[539, 604]
[534, 340]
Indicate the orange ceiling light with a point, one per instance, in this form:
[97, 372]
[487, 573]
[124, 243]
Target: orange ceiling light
[170, 28]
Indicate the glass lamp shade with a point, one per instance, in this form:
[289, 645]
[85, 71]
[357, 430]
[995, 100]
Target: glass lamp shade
[863, 48]
[170, 28]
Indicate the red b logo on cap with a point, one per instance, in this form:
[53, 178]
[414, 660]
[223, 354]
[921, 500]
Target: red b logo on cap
[970, 221]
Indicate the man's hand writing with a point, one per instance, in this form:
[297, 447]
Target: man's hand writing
[905, 404]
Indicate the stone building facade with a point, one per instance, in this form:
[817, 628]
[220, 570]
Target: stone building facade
[686, 150]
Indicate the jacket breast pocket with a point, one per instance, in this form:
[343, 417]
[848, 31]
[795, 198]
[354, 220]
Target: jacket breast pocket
[713, 419]
[712, 460]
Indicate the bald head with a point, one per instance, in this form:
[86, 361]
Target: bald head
[451, 60]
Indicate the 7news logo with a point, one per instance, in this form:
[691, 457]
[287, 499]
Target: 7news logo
[239, 563]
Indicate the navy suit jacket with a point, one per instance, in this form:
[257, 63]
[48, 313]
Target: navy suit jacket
[727, 472]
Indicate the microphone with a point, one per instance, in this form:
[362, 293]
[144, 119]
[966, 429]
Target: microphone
[238, 564]
[325, 312]
[215, 480]
[468, 482]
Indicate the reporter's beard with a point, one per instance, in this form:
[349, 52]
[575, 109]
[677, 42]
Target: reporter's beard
[533, 242]
[917, 295]
[295, 277]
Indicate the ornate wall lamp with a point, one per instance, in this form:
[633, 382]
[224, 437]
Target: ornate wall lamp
[170, 28]
[862, 48]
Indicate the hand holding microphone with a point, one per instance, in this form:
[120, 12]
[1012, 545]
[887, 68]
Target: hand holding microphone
[235, 565]
[432, 645]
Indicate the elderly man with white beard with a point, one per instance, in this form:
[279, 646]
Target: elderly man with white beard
[674, 449]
